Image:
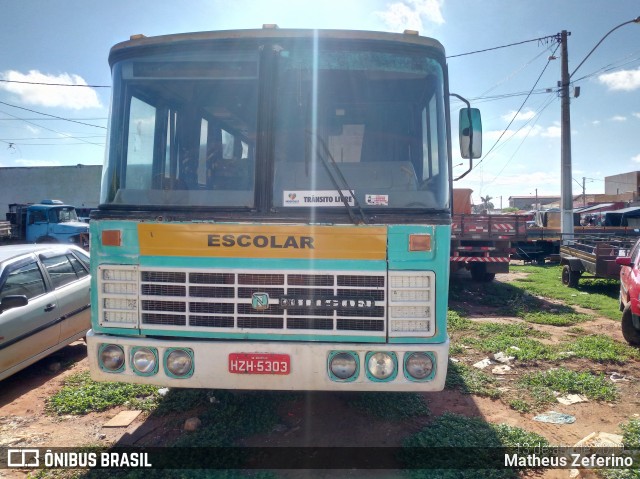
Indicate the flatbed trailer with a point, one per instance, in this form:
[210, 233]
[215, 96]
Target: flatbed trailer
[595, 255]
[541, 243]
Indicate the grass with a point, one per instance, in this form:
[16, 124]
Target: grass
[566, 381]
[390, 405]
[601, 349]
[81, 395]
[470, 380]
[556, 319]
[598, 295]
[232, 416]
[455, 433]
[514, 339]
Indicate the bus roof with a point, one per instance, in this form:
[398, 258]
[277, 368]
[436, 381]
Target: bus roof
[141, 41]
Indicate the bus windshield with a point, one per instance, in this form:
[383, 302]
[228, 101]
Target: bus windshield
[344, 126]
[363, 121]
[186, 131]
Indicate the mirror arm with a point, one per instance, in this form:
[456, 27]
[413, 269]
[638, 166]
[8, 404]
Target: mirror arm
[470, 136]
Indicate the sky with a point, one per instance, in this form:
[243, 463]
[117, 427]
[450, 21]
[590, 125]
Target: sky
[68, 41]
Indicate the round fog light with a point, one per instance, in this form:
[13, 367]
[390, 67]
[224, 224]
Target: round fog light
[112, 358]
[419, 366]
[144, 361]
[382, 366]
[343, 366]
[179, 363]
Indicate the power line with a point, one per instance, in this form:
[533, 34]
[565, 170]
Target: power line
[52, 119]
[52, 138]
[52, 130]
[52, 116]
[53, 84]
[517, 112]
[536, 118]
[541, 39]
[53, 144]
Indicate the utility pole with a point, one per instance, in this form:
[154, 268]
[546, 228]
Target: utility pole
[566, 220]
[584, 197]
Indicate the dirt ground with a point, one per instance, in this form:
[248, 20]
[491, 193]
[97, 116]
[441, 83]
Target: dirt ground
[319, 419]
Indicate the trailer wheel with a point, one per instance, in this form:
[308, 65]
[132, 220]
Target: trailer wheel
[630, 333]
[570, 278]
[540, 260]
[479, 273]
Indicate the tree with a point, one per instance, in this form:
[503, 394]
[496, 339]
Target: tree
[486, 203]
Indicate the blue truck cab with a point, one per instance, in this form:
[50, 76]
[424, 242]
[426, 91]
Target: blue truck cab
[52, 221]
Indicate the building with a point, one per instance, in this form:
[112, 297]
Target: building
[529, 202]
[77, 185]
[623, 183]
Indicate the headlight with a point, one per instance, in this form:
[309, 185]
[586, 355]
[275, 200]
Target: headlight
[382, 366]
[179, 362]
[111, 358]
[418, 366]
[145, 361]
[344, 365]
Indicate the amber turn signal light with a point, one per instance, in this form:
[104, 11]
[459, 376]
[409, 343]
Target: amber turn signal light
[111, 238]
[419, 242]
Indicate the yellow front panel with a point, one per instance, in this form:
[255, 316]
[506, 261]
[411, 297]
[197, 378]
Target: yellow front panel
[263, 241]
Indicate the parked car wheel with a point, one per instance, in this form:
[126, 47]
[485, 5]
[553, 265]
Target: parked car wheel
[629, 331]
[570, 278]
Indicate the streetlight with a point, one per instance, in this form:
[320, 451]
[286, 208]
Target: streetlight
[566, 220]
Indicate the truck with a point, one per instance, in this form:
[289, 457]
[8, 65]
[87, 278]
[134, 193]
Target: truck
[482, 243]
[50, 221]
[275, 212]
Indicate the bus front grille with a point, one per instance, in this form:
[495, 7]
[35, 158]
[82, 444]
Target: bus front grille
[346, 304]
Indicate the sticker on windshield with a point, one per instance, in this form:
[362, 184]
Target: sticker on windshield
[316, 198]
[376, 200]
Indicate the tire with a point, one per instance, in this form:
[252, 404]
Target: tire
[570, 278]
[540, 261]
[479, 273]
[630, 333]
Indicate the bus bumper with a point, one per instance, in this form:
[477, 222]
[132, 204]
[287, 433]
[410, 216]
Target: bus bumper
[220, 364]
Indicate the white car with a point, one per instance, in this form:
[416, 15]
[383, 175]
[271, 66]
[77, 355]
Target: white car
[44, 302]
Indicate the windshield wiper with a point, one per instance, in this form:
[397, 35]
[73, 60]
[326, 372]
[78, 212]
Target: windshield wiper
[328, 168]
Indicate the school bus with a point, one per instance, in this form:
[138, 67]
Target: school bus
[275, 212]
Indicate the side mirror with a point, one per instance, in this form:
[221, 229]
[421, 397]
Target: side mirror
[470, 134]
[13, 301]
[624, 261]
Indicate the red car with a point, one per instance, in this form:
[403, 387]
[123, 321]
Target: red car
[630, 294]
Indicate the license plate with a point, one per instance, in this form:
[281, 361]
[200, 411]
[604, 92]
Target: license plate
[259, 363]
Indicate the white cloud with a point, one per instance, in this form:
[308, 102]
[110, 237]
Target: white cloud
[526, 132]
[636, 159]
[51, 96]
[551, 132]
[409, 14]
[623, 80]
[637, 115]
[595, 122]
[521, 116]
[618, 118]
